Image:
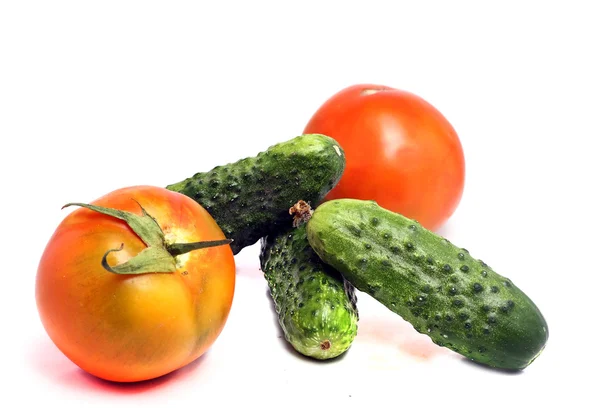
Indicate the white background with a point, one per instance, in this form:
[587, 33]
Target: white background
[95, 96]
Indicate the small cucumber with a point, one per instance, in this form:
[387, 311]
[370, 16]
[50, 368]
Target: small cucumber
[457, 300]
[250, 198]
[316, 307]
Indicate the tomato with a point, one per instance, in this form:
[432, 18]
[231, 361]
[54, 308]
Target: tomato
[133, 327]
[400, 151]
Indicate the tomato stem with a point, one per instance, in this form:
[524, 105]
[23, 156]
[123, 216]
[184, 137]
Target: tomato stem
[157, 257]
[149, 260]
[185, 247]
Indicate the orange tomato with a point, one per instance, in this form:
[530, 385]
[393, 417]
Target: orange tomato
[137, 326]
[400, 151]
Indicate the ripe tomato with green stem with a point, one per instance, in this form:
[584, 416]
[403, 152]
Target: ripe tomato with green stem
[400, 151]
[136, 285]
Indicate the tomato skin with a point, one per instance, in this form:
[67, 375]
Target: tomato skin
[134, 327]
[400, 151]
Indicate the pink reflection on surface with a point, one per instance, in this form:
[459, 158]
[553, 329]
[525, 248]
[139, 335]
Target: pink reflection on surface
[400, 334]
[47, 360]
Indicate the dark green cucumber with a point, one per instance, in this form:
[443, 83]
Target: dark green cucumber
[316, 307]
[250, 198]
[459, 301]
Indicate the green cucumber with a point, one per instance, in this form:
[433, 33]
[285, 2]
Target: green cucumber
[315, 306]
[250, 198]
[445, 293]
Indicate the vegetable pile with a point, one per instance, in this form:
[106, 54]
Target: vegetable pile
[140, 282]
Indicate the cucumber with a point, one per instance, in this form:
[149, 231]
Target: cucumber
[445, 293]
[315, 306]
[250, 198]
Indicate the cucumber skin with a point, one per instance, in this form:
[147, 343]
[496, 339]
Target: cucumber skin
[460, 302]
[251, 198]
[315, 306]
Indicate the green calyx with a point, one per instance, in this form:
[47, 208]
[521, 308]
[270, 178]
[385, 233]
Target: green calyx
[158, 256]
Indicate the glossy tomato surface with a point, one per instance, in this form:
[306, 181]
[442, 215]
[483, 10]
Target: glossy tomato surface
[134, 327]
[400, 151]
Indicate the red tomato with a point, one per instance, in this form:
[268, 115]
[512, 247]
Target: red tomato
[400, 151]
[137, 326]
